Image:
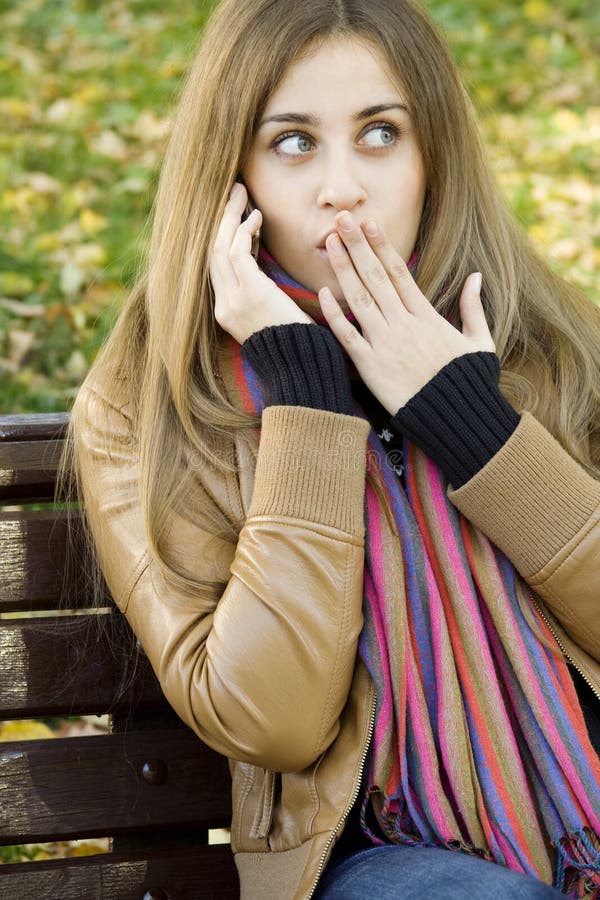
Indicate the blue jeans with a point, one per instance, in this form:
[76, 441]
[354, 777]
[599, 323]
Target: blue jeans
[396, 872]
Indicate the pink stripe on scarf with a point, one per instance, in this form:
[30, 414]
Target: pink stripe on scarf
[472, 607]
[381, 625]
[421, 728]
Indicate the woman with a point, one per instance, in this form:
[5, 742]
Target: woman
[359, 569]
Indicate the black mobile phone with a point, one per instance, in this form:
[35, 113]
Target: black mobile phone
[256, 236]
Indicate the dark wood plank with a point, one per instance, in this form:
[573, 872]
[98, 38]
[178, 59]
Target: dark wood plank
[202, 873]
[42, 563]
[134, 841]
[28, 469]
[73, 665]
[80, 787]
[33, 426]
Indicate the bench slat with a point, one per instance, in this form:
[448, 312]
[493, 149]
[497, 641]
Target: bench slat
[34, 558]
[65, 788]
[202, 873]
[28, 469]
[58, 666]
[33, 426]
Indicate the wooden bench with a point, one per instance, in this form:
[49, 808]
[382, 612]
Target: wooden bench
[150, 784]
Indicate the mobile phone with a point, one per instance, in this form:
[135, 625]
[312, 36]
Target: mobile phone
[256, 236]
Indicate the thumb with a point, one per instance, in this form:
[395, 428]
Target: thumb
[474, 323]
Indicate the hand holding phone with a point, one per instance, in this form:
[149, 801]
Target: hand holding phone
[245, 298]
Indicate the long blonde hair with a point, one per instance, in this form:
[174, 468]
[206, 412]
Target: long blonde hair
[164, 345]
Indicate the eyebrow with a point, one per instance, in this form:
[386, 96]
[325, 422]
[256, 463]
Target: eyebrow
[307, 119]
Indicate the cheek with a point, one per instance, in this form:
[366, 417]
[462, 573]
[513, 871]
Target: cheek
[280, 226]
[412, 205]
[261, 188]
[411, 180]
[278, 241]
[418, 204]
[274, 229]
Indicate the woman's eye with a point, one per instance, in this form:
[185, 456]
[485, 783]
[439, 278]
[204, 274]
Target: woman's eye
[294, 144]
[381, 136]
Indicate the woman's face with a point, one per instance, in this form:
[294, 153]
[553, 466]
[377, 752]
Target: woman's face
[335, 135]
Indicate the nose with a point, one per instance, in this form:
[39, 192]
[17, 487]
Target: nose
[340, 186]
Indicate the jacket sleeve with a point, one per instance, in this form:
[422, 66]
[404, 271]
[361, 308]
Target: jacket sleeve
[543, 511]
[260, 659]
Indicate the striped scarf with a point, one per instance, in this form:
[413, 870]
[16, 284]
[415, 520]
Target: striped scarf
[479, 741]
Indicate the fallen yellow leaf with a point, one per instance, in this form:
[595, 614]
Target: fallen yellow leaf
[15, 284]
[536, 10]
[567, 121]
[91, 222]
[24, 730]
[88, 255]
[15, 108]
[85, 849]
[48, 240]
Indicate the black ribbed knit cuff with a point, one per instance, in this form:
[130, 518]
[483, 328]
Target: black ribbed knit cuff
[460, 418]
[300, 364]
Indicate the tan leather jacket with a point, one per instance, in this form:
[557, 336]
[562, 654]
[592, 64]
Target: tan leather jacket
[266, 671]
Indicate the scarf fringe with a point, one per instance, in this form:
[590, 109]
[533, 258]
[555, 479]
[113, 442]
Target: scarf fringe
[578, 865]
[393, 828]
[578, 855]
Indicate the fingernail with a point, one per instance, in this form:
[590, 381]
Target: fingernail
[477, 280]
[235, 191]
[346, 221]
[371, 227]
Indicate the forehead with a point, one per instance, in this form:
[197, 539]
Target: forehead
[343, 73]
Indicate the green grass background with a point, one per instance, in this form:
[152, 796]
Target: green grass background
[86, 90]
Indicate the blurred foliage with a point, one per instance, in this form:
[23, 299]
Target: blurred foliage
[86, 90]
[533, 72]
[19, 853]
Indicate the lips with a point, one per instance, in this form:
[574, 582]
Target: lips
[321, 244]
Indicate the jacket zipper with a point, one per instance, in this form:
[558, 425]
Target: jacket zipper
[352, 802]
[561, 646]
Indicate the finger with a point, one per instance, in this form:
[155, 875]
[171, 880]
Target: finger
[240, 252]
[359, 299]
[399, 274]
[367, 264]
[228, 226]
[348, 336]
[226, 234]
[474, 322]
